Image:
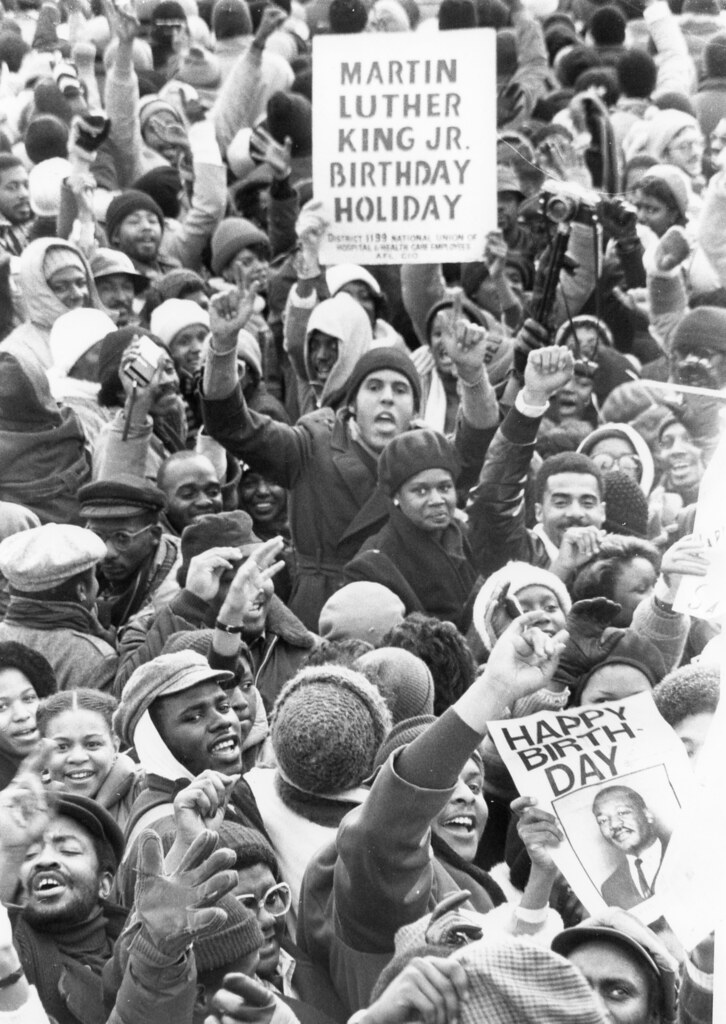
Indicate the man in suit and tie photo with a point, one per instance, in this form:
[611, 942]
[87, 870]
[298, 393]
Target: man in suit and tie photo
[626, 823]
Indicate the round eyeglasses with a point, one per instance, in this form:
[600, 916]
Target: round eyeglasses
[276, 901]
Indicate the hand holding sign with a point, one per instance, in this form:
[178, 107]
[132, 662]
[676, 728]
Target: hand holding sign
[539, 831]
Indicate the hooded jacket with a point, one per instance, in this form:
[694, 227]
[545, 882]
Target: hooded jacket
[636, 442]
[42, 307]
[43, 459]
[342, 318]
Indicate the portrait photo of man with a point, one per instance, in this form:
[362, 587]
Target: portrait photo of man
[628, 826]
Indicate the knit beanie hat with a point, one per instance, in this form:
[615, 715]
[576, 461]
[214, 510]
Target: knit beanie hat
[402, 733]
[73, 334]
[714, 55]
[626, 506]
[200, 69]
[384, 358]
[702, 327]
[44, 185]
[12, 50]
[240, 936]
[163, 184]
[360, 611]
[628, 649]
[512, 578]
[404, 680]
[414, 452]
[219, 529]
[291, 115]
[174, 315]
[231, 18]
[456, 14]
[607, 27]
[674, 100]
[168, 10]
[657, 133]
[676, 181]
[249, 845]
[637, 74]
[46, 137]
[175, 283]
[230, 237]
[326, 727]
[127, 203]
[165, 675]
[59, 257]
[347, 16]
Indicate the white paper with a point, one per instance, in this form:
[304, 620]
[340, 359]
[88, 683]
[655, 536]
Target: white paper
[404, 145]
[603, 758]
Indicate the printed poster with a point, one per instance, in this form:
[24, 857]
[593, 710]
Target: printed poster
[404, 145]
[615, 776]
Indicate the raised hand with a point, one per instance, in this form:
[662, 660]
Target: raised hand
[206, 570]
[578, 545]
[243, 999]
[268, 150]
[255, 575]
[524, 658]
[230, 310]
[179, 907]
[25, 807]
[547, 370]
[201, 805]
[272, 18]
[467, 344]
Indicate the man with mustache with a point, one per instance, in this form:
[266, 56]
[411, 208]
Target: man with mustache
[626, 824]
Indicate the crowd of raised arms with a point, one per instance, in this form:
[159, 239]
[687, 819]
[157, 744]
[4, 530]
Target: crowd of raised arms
[280, 539]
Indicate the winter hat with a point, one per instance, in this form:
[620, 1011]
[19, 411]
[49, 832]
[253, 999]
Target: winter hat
[634, 439]
[628, 649]
[149, 106]
[637, 74]
[124, 496]
[160, 677]
[240, 936]
[326, 727]
[73, 334]
[362, 611]
[341, 274]
[404, 680]
[291, 115]
[163, 184]
[676, 181]
[703, 326]
[39, 559]
[231, 236]
[44, 185]
[510, 579]
[176, 282]
[46, 137]
[174, 316]
[231, 18]
[674, 100]
[714, 55]
[218, 529]
[607, 27]
[15, 518]
[386, 357]
[626, 506]
[402, 733]
[200, 69]
[58, 257]
[508, 181]
[655, 134]
[250, 846]
[124, 205]
[109, 262]
[112, 349]
[347, 16]
[456, 14]
[707, 8]
[168, 10]
[414, 452]
[12, 50]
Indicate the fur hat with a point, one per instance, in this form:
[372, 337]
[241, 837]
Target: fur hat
[386, 357]
[326, 727]
[240, 936]
[291, 115]
[512, 578]
[361, 610]
[231, 236]
[414, 452]
[404, 680]
[124, 205]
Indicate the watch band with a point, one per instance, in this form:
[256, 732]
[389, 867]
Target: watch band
[11, 979]
[228, 629]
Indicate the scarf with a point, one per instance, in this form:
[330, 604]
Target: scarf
[449, 858]
[50, 615]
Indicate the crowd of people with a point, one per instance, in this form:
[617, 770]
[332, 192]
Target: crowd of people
[278, 540]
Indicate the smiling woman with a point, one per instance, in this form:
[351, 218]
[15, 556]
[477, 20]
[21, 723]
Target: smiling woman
[25, 677]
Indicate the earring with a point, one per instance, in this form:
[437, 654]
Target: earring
[396, 502]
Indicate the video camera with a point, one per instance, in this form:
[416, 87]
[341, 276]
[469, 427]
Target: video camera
[564, 202]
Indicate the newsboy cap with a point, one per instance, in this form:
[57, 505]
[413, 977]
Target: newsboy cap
[124, 496]
[46, 556]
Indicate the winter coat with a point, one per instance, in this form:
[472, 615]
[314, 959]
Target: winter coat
[43, 458]
[42, 307]
[66, 634]
[335, 503]
[437, 574]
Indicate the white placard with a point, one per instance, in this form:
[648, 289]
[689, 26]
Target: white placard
[615, 776]
[404, 145]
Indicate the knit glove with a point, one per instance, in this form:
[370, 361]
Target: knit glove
[672, 249]
[590, 638]
[177, 908]
[451, 924]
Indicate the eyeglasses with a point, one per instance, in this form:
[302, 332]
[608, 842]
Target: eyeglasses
[625, 463]
[276, 901]
[122, 539]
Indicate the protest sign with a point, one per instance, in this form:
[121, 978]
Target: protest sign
[404, 145]
[615, 776]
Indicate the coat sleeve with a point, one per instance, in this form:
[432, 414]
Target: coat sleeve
[148, 987]
[122, 109]
[274, 449]
[668, 630]
[497, 528]
[676, 71]
[710, 226]
[113, 455]
[238, 98]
